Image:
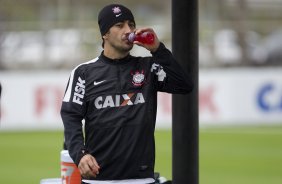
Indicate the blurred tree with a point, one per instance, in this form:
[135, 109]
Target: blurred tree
[1, 39]
[43, 16]
[241, 29]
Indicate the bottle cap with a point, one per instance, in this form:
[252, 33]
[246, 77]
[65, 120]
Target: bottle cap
[131, 37]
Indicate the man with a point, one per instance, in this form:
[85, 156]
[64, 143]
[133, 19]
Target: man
[116, 95]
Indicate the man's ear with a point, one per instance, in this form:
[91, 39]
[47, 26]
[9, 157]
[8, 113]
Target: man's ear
[105, 36]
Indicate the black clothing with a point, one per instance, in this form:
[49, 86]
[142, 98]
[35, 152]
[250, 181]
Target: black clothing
[118, 100]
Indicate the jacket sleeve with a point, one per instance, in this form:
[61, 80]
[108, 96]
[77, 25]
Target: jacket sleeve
[72, 114]
[170, 77]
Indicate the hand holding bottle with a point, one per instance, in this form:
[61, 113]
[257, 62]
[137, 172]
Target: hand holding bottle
[145, 37]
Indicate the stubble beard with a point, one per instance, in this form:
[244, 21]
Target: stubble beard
[122, 49]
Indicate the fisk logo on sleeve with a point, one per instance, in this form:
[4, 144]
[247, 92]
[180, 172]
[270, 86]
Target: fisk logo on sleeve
[158, 70]
[79, 91]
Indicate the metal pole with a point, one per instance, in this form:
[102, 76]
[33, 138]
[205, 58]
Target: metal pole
[185, 127]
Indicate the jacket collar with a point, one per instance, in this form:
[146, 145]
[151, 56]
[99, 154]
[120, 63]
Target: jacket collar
[115, 61]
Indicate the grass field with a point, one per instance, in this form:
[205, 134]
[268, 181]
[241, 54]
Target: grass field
[245, 155]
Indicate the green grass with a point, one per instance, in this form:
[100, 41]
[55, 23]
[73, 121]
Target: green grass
[241, 155]
[27, 157]
[227, 155]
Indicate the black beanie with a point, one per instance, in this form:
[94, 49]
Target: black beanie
[112, 14]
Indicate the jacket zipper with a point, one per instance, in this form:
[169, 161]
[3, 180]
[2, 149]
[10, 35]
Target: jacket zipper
[119, 79]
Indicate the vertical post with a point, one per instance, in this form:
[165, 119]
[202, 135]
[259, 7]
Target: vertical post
[0, 100]
[185, 126]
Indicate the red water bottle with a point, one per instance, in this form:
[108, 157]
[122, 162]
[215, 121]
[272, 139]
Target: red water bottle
[145, 37]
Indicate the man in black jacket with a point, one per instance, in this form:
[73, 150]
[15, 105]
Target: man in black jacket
[116, 95]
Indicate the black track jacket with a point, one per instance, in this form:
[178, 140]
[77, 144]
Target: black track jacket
[118, 101]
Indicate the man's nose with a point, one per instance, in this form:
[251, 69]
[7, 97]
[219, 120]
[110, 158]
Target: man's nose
[127, 28]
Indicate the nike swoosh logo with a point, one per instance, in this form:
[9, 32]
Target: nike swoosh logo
[118, 15]
[97, 83]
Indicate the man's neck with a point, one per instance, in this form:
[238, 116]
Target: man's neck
[115, 55]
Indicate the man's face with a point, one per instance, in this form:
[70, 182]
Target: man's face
[116, 37]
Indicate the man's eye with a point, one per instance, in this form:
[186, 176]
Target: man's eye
[132, 25]
[118, 25]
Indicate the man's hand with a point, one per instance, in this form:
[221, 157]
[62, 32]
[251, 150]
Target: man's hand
[151, 47]
[88, 167]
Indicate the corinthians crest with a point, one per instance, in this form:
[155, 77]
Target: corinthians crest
[138, 78]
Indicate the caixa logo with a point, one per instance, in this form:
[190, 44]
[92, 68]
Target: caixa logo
[269, 98]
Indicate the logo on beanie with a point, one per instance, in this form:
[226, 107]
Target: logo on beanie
[117, 11]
